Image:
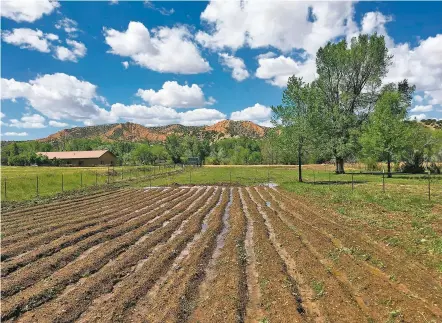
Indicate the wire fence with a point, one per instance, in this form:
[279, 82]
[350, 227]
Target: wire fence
[42, 184]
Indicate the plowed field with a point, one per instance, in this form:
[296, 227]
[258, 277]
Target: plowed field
[204, 254]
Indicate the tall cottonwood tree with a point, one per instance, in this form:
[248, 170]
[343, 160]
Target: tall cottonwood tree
[349, 79]
[296, 116]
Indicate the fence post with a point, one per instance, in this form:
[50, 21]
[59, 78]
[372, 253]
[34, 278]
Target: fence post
[122, 172]
[37, 185]
[5, 189]
[352, 182]
[383, 181]
[314, 178]
[62, 183]
[429, 186]
[150, 180]
[81, 179]
[190, 176]
[230, 177]
[96, 178]
[144, 170]
[108, 174]
[268, 177]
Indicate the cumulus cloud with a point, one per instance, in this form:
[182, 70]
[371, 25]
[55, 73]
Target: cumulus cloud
[167, 50]
[159, 115]
[27, 10]
[125, 64]
[29, 121]
[277, 70]
[58, 96]
[70, 26]
[15, 134]
[76, 50]
[422, 108]
[303, 25]
[258, 113]
[58, 124]
[29, 39]
[173, 95]
[239, 71]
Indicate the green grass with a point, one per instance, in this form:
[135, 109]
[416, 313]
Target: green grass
[21, 182]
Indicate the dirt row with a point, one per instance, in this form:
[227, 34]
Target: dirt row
[214, 254]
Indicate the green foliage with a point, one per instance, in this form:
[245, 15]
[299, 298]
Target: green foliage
[349, 78]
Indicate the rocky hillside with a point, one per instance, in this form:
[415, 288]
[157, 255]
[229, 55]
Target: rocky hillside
[136, 132]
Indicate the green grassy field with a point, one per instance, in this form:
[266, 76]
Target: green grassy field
[21, 182]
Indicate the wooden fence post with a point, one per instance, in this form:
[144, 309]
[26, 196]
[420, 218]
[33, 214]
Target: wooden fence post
[5, 189]
[37, 185]
[62, 183]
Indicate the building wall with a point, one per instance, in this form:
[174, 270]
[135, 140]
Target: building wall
[106, 159]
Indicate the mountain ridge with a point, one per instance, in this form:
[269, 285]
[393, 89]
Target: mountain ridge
[135, 132]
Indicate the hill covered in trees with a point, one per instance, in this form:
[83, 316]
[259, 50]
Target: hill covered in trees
[133, 132]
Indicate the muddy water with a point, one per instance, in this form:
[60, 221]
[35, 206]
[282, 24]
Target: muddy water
[220, 240]
[253, 309]
[185, 252]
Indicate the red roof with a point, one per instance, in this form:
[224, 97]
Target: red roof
[74, 154]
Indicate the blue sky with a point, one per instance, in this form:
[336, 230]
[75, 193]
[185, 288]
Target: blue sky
[70, 64]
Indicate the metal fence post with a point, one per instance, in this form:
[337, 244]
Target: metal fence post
[96, 178]
[352, 182]
[108, 174]
[37, 185]
[314, 178]
[383, 181]
[150, 179]
[268, 177]
[230, 177]
[190, 176]
[62, 183]
[5, 189]
[81, 179]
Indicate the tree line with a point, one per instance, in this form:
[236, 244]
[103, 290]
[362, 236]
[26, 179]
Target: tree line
[348, 114]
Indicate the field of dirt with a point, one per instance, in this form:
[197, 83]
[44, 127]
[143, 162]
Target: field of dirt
[204, 254]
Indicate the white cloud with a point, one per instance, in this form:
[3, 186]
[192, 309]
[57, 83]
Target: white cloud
[258, 113]
[167, 50]
[418, 98]
[278, 70]
[2, 115]
[174, 95]
[70, 26]
[27, 10]
[422, 108]
[58, 96]
[112, 2]
[234, 24]
[159, 115]
[58, 124]
[29, 121]
[417, 117]
[15, 134]
[72, 54]
[125, 64]
[29, 39]
[239, 71]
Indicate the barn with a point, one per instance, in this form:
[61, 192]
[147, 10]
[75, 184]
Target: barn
[82, 158]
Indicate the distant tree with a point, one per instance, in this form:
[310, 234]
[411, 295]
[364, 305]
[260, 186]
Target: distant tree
[174, 148]
[349, 79]
[385, 135]
[143, 154]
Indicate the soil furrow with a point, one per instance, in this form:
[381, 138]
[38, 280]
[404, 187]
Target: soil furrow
[44, 208]
[223, 293]
[303, 291]
[30, 216]
[109, 304]
[367, 287]
[280, 300]
[78, 225]
[51, 287]
[69, 218]
[418, 277]
[44, 267]
[175, 299]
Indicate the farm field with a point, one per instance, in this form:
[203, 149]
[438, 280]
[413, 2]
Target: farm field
[212, 253]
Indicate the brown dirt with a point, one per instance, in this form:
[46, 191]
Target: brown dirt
[206, 254]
